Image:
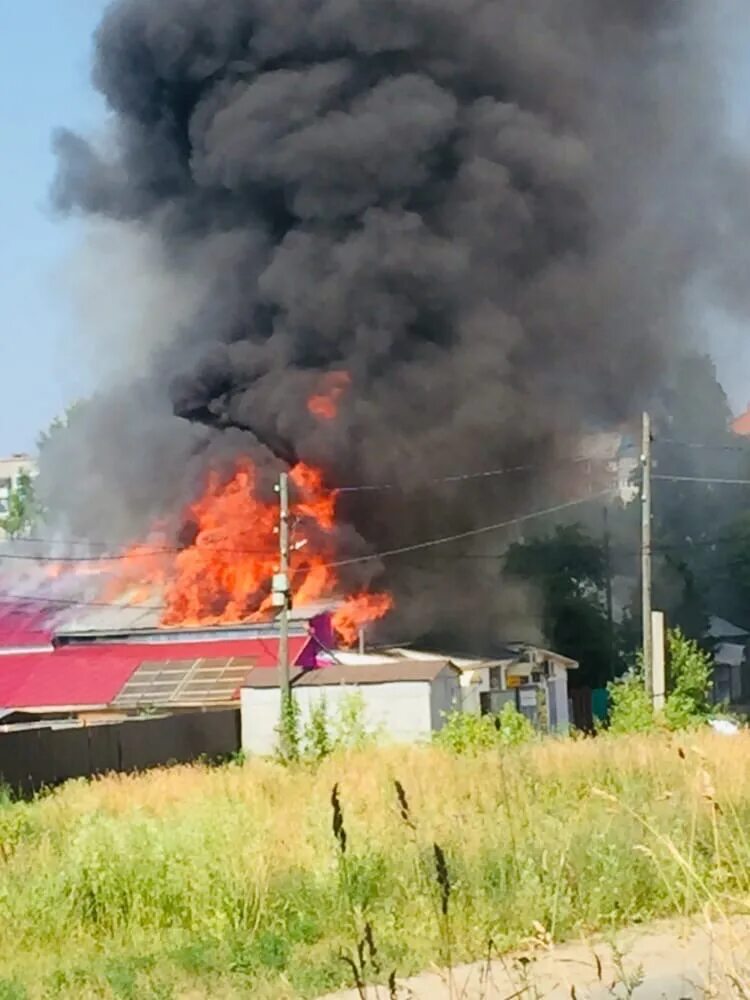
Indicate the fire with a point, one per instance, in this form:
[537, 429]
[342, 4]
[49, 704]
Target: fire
[358, 611]
[325, 404]
[224, 575]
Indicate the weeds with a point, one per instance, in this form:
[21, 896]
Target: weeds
[255, 879]
[466, 733]
[688, 683]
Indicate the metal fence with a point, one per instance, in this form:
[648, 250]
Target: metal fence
[38, 757]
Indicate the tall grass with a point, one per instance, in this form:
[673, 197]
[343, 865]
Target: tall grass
[226, 883]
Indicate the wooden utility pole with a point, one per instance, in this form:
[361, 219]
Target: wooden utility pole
[608, 593]
[281, 594]
[648, 645]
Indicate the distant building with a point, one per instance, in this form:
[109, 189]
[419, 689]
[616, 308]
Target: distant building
[609, 461]
[403, 700]
[11, 470]
[741, 425]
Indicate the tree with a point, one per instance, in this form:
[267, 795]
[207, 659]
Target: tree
[59, 424]
[692, 520]
[23, 508]
[568, 567]
[689, 671]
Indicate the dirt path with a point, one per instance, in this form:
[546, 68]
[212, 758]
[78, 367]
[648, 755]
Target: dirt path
[667, 960]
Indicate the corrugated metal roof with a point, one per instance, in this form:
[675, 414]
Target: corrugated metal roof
[121, 618]
[385, 672]
[89, 676]
[24, 623]
[62, 678]
[185, 682]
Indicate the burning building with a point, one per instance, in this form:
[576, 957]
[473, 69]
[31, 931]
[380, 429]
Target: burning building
[118, 661]
[393, 242]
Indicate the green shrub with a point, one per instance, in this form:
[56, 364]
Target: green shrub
[631, 710]
[349, 728]
[690, 672]
[688, 685]
[464, 732]
[316, 738]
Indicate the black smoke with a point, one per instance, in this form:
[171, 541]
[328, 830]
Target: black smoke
[491, 213]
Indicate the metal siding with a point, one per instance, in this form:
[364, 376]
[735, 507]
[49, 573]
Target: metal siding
[401, 710]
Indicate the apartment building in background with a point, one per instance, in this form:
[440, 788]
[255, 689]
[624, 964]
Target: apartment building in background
[11, 470]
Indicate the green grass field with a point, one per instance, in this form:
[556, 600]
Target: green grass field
[230, 882]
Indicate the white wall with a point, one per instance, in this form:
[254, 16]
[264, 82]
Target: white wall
[560, 693]
[402, 711]
[445, 697]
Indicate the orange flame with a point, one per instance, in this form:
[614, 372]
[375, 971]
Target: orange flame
[224, 576]
[325, 404]
[358, 611]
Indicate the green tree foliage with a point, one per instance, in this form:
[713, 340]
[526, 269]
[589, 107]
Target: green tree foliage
[568, 568]
[692, 440]
[59, 425]
[23, 508]
[689, 682]
[466, 733]
[630, 708]
[687, 704]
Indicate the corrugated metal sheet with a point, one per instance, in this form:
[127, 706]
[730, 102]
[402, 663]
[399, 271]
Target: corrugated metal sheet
[24, 623]
[386, 672]
[81, 677]
[185, 682]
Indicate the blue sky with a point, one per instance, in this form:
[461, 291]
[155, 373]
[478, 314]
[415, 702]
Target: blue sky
[44, 83]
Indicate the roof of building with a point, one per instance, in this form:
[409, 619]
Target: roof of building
[384, 672]
[512, 652]
[200, 681]
[720, 628]
[121, 618]
[64, 678]
[78, 677]
[741, 425]
[24, 624]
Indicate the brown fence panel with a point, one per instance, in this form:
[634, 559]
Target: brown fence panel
[33, 758]
[583, 716]
[21, 763]
[67, 751]
[104, 748]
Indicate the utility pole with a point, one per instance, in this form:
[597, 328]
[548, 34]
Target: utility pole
[281, 599]
[608, 593]
[648, 646]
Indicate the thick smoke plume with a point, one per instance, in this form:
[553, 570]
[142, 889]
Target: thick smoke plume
[490, 213]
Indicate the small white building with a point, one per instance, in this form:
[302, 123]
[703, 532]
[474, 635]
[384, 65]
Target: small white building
[404, 700]
[520, 674]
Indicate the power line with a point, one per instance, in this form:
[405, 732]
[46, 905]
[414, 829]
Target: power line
[469, 476]
[702, 479]
[129, 556]
[5, 596]
[473, 533]
[703, 445]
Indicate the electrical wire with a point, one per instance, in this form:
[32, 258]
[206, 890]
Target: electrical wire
[703, 445]
[126, 556]
[469, 476]
[34, 599]
[701, 479]
[473, 533]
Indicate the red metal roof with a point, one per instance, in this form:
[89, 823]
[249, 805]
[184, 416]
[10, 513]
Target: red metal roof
[81, 676]
[24, 624]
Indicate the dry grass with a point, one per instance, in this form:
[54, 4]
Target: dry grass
[226, 883]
